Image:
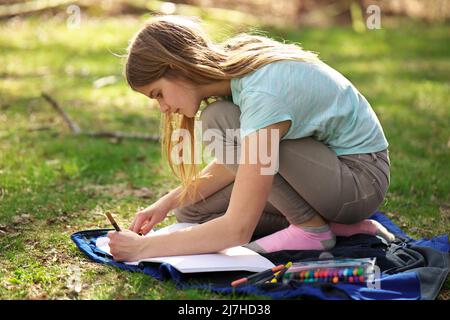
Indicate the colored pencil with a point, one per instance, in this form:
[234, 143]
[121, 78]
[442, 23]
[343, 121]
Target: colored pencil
[257, 276]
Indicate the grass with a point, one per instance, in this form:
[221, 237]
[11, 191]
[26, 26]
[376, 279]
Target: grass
[53, 183]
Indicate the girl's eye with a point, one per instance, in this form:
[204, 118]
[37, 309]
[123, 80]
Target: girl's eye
[158, 95]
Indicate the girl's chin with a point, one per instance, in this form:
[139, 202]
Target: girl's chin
[188, 114]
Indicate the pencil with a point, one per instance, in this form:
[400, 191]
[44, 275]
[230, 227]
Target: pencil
[113, 222]
[279, 274]
[258, 276]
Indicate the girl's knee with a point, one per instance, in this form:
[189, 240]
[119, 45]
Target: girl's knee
[185, 215]
[190, 215]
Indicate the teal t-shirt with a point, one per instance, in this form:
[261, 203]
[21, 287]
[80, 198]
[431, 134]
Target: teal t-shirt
[320, 102]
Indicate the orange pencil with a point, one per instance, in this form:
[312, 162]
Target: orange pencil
[279, 275]
[258, 276]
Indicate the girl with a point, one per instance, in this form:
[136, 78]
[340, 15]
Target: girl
[332, 159]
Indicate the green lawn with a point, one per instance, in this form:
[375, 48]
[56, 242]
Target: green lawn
[53, 183]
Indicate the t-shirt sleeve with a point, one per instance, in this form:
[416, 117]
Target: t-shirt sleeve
[261, 109]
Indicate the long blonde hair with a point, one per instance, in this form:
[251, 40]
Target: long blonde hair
[176, 47]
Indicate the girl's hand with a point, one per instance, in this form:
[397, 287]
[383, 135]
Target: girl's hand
[146, 219]
[126, 245]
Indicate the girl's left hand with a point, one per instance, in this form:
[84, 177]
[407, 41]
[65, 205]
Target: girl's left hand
[125, 245]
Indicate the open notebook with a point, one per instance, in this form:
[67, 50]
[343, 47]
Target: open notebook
[231, 259]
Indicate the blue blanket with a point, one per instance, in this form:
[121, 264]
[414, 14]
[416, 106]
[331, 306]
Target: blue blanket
[410, 269]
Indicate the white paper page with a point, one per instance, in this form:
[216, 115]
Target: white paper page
[236, 258]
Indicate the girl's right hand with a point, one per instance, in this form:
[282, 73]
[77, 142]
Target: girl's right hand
[147, 218]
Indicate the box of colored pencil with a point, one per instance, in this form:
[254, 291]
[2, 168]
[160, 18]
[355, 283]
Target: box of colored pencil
[331, 271]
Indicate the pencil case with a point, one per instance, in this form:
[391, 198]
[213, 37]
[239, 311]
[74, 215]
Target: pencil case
[332, 271]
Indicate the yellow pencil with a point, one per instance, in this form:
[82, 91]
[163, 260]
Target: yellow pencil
[279, 274]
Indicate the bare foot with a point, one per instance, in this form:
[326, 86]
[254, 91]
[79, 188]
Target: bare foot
[382, 231]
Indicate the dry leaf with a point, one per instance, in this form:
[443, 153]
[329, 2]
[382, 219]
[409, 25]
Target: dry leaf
[23, 219]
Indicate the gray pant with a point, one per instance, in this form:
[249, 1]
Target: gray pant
[311, 180]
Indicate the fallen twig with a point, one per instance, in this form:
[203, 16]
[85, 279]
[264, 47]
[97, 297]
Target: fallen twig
[30, 7]
[121, 135]
[40, 128]
[72, 125]
[101, 134]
